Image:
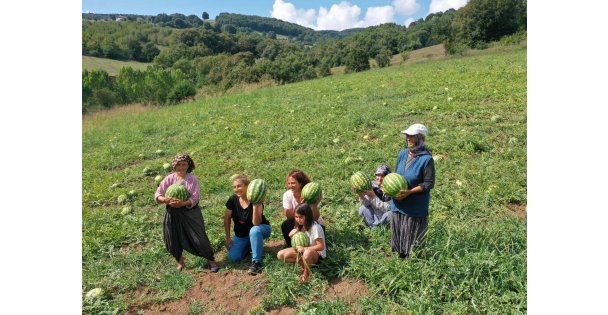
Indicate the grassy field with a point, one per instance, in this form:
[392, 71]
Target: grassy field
[110, 65]
[474, 260]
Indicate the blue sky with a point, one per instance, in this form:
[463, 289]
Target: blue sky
[316, 14]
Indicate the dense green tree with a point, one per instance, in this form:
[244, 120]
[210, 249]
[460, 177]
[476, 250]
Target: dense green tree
[481, 21]
[356, 60]
[205, 16]
[383, 58]
[229, 28]
[148, 52]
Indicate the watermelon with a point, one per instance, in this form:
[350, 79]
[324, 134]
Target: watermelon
[300, 239]
[393, 183]
[158, 179]
[177, 191]
[122, 198]
[167, 167]
[126, 210]
[360, 182]
[94, 294]
[311, 193]
[256, 191]
[148, 171]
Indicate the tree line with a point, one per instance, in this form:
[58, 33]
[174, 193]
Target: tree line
[244, 49]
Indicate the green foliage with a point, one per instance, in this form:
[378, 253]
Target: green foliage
[356, 61]
[205, 16]
[94, 80]
[181, 90]
[121, 40]
[483, 21]
[405, 55]
[229, 28]
[383, 58]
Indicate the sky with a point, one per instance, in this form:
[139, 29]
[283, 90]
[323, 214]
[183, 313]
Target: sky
[315, 14]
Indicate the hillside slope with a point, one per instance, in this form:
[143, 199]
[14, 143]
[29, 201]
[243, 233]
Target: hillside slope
[475, 256]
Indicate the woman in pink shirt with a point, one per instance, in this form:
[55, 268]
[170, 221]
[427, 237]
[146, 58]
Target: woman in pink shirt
[184, 227]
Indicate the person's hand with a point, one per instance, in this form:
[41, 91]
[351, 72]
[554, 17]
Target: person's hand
[176, 203]
[228, 242]
[404, 193]
[370, 194]
[300, 249]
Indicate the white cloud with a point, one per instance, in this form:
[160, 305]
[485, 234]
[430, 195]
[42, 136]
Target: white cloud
[378, 15]
[408, 22]
[406, 7]
[341, 16]
[288, 12]
[444, 5]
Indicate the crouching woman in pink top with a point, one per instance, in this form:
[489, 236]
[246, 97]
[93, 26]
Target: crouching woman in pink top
[184, 227]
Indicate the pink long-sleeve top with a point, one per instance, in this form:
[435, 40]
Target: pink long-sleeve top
[190, 182]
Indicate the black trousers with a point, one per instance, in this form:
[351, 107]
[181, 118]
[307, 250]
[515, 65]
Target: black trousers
[185, 229]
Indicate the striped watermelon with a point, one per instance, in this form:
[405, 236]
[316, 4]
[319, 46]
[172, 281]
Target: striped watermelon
[177, 191]
[256, 191]
[311, 193]
[360, 182]
[393, 183]
[300, 239]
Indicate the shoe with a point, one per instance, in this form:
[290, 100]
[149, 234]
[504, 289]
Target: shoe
[256, 267]
[214, 267]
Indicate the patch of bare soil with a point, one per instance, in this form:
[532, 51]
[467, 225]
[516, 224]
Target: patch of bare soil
[517, 210]
[347, 290]
[226, 292]
[283, 310]
[232, 291]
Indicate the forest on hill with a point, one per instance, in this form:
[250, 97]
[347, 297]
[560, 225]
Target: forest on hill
[188, 53]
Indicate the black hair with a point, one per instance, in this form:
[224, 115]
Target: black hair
[305, 210]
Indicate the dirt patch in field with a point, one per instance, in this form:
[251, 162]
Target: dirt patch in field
[347, 290]
[517, 210]
[231, 291]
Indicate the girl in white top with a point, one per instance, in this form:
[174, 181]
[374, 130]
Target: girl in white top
[312, 253]
[296, 180]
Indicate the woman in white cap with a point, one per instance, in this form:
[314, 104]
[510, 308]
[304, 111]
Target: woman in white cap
[410, 207]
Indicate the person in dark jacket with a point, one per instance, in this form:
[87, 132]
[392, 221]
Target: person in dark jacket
[410, 208]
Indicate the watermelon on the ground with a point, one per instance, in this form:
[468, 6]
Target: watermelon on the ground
[167, 167]
[300, 239]
[94, 294]
[122, 198]
[256, 191]
[177, 191]
[393, 183]
[360, 182]
[126, 210]
[158, 179]
[311, 193]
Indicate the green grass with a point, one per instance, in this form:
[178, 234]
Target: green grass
[109, 65]
[474, 260]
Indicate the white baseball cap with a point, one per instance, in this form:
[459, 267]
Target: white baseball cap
[415, 129]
